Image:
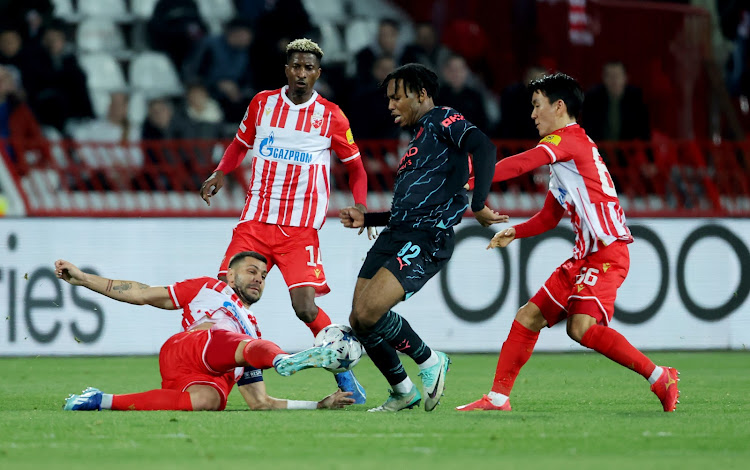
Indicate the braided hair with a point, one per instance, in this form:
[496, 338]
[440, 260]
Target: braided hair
[415, 77]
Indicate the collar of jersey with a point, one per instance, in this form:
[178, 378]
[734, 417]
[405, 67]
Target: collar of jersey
[424, 118]
[297, 106]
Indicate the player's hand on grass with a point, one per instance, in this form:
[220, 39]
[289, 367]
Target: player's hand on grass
[352, 217]
[337, 399]
[212, 185]
[502, 238]
[487, 217]
[69, 272]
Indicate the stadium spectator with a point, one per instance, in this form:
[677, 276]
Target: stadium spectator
[12, 49]
[428, 200]
[369, 118]
[110, 166]
[468, 39]
[28, 16]
[386, 46]
[426, 49]
[614, 110]
[282, 21]
[457, 92]
[17, 122]
[16, 118]
[515, 107]
[55, 82]
[290, 133]
[159, 123]
[734, 17]
[115, 127]
[582, 290]
[175, 27]
[200, 365]
[223, 63]
[201, 116]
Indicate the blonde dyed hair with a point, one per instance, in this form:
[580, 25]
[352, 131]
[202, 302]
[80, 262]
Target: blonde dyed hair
[304, 45]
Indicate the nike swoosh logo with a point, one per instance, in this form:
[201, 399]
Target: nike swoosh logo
[433, 394]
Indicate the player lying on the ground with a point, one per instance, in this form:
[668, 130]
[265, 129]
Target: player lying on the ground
[583, 289]
[200, 365]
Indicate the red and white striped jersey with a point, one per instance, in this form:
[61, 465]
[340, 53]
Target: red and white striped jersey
[580, 182]
[291, 148]
[208, 300]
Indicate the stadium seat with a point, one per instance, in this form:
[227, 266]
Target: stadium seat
[100, 35]
[114, 9]
[142, 9]
[332, 43]
[322, 11]
[154, 73]
[64, 9]
[376, 9]
[359, 34]
[103, 72]
[100, 102]
[212, 10]
[137, 107]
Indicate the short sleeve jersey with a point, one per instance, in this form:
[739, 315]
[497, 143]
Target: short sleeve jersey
[291, 148]
[429, 184]
[581, 183]
[208, 300]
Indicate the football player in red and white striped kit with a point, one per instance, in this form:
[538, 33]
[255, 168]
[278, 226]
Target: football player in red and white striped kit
[200, 365]
[582, 290]
[289, 134]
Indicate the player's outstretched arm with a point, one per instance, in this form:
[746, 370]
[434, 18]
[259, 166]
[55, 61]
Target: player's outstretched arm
[125, 291]
[257, 398]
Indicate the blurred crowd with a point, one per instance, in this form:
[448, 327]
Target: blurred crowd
[47, 87]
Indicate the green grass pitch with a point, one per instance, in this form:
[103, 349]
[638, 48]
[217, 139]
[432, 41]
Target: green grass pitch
[570, 411]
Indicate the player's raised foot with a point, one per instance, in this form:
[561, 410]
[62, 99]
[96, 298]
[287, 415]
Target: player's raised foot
[313, 357]
[400, 401]
[484, 404]
[433, 381]
[348, 383]
[666, 388]
[89, 400]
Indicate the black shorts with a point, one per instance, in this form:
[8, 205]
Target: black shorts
[413, 256]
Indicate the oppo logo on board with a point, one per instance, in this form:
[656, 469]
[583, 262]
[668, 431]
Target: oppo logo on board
[643, 235]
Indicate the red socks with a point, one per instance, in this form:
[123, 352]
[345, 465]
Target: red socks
[259, 353]
[153, 400]
[612, 344]
[515, 352]
[320, 322]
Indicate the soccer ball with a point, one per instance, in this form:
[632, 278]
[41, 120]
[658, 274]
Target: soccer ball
[341, 339]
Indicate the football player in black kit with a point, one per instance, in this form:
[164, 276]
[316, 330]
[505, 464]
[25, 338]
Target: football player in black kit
[429, 199]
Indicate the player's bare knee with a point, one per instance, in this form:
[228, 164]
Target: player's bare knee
[573, 332]
[306, 313]
[205, 400]
[361, 318]
[576, 329]
[354, 322]
[531, 317]
[304, 307]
